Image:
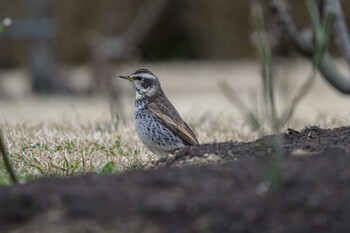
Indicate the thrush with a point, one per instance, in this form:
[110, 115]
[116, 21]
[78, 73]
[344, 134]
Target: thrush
[159, 126]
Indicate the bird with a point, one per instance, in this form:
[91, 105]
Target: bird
[159, 126]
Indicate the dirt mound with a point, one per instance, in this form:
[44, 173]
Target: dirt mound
[229, 196]
[311, 140]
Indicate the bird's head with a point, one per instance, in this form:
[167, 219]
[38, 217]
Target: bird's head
[144, 82]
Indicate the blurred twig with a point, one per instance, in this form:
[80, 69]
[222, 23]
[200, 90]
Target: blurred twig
[276, 121]
[7, 162]
[264, 49]
[304, 42]
[249, 115]
[321, 28]
[340, 29]
[3, 25]
[322, 32]
[106, 49]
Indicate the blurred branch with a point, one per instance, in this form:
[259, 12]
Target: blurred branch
[264, 50]
[279, 9]
[7, 162]
[3, 25]
[116, 48]
[303, 42]
[340, 28]
[251, 117]
[106, 49]
[304, 89]
[321, 28]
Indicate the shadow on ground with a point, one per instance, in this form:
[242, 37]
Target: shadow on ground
[219, 188]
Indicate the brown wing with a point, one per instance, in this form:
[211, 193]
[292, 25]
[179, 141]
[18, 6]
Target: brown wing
[172, 119]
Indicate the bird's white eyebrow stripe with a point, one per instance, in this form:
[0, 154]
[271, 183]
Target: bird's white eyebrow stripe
[144, 73]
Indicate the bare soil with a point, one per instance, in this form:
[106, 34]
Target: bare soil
[219, 188]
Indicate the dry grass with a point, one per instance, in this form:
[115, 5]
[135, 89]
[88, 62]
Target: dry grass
[65, 149]
[69, 149]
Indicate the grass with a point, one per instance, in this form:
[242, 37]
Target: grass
[6, 160]
[69, 148]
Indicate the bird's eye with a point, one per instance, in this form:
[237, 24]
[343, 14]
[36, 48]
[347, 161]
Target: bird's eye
[138, 78]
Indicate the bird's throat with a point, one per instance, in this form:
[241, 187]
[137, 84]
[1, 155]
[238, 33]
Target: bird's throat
[141, 101]
[138, 95]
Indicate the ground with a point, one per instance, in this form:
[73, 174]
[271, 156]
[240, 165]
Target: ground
[227, 184]
[229, 193]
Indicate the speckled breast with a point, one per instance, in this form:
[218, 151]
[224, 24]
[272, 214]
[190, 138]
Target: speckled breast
[154, 134]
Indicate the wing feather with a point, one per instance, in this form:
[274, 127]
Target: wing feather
[172, 119]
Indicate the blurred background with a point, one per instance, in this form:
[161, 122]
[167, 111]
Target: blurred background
[59, 58]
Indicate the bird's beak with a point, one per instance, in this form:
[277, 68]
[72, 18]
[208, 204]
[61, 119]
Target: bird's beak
[126, 77]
